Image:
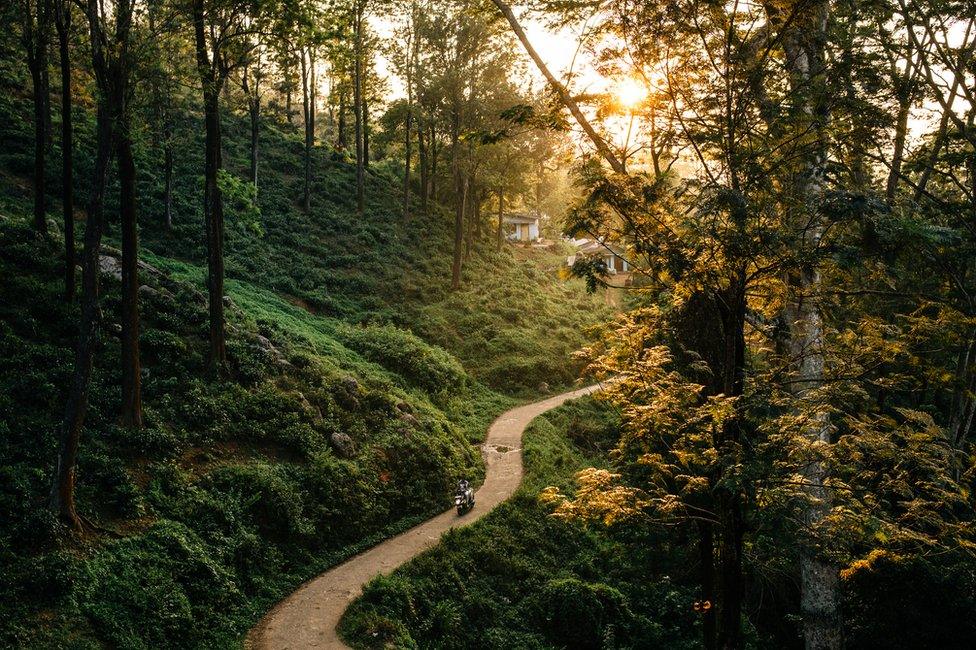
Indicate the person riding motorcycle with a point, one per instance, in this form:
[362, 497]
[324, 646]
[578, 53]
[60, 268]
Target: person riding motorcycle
[464, 498]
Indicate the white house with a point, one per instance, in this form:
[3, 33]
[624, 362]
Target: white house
[521, 227]
[613, 255]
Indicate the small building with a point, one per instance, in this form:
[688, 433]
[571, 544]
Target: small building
[613, 255]
[521, 227]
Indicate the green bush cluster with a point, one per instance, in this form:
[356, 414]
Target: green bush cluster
[404, 354]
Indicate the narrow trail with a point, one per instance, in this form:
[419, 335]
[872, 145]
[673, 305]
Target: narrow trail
[308, 617]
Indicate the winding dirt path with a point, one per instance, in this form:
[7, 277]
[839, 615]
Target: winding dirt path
[308, 617]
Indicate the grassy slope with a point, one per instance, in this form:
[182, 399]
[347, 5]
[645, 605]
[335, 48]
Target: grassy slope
[233, 493]
[521, 579]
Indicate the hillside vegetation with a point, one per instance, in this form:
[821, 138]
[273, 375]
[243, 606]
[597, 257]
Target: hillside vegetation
[520, 578]
[358, 383]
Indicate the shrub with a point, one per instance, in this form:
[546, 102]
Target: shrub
[401, 352]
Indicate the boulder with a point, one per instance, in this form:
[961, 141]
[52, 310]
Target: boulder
[343, 444]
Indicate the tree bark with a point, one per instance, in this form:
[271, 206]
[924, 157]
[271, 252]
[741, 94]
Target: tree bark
[309, 130]
[213, 207]
[253, 93]
[365, 133]
[131, 366]
[358, 108]
[423, 164]
[63, 24]
[819, 579]
[61, 498]
[62, 495]
[167, 174]
[341, 125]
[500, 234]
[459, 198]
[706, 569]
[35, 38]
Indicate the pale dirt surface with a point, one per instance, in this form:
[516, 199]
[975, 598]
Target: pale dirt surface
[308, 617]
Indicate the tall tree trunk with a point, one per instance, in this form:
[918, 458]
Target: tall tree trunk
[905, 96]
[459, 198]
[36, 33]
[469, 201]
[500, 233]
[253, 93]
[406, 159]
[168, 172]
[131, 367]
[729, 500]
[309, 126]
[434, 150]
[358, 109]
[63, 24]
[341, 125]
[365, 133]
[479, 198]
[62, 495]
[213, 206]
[706, 559]
[423, 164]
[819, 581]
[61, 499]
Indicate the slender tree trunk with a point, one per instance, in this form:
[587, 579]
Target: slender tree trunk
[341, 139]
[213, 207]
[358, 110]
[460, 188]
[422, 162]
[63, 24]
[500, 234]
[901, 134]
[309, 125]
[479, 197]
[819, 601]
[706, 559]
[131, 367]
[168, 172]
[406, 159]
[365, 133]
[469, 192]
[434, 150]
[61, 498]
[564, 95]
[37, 62]
[253, 93]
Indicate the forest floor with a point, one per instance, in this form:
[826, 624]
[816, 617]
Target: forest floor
[308, 617]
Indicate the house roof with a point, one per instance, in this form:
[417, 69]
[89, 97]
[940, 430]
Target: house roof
[520, 218]
[601, 248]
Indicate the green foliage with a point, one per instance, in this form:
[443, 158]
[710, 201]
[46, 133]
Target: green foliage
[520, 578]
[404, 354]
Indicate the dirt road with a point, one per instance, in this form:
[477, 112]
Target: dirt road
[308, 617]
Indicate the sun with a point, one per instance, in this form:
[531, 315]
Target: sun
[630, 93]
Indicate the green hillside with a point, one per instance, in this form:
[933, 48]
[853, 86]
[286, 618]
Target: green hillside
[358, 383]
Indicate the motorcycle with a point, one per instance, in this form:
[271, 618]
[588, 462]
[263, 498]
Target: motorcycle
[464, 500]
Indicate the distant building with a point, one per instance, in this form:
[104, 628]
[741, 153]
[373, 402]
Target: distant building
[613, 255]
[521, 227]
